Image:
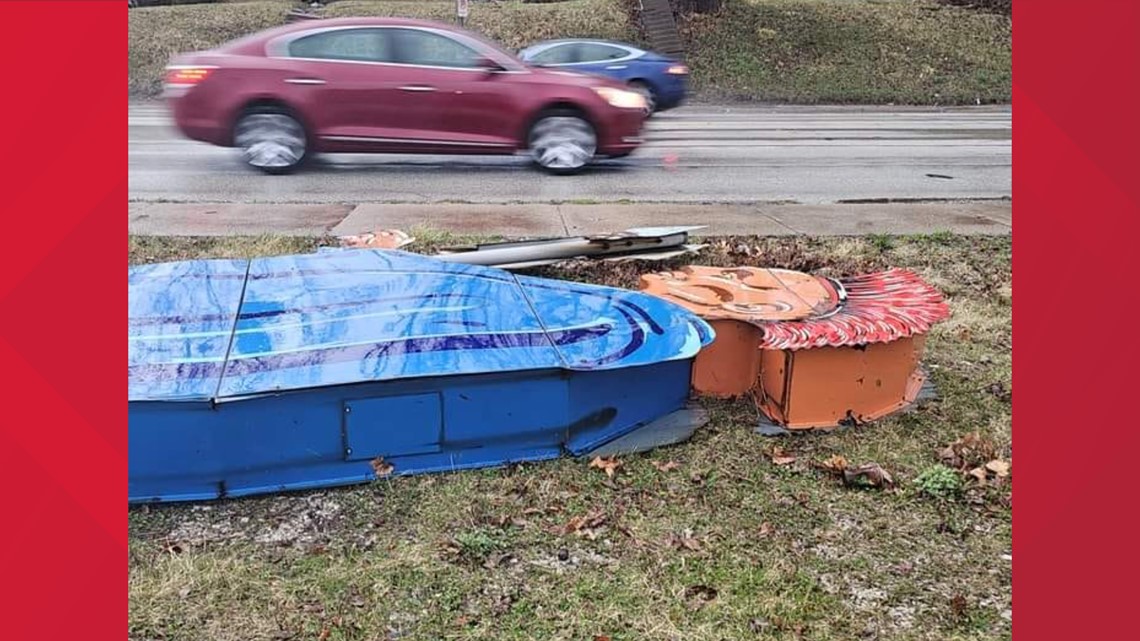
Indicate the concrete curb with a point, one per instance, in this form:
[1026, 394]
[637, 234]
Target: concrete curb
[539, 220]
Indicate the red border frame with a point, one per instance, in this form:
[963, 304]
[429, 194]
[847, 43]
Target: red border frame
[63, 435]
[1076, 66]
[63, 444]
[1075, 71]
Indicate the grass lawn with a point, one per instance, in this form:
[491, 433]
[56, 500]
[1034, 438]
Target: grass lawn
[809, 51]
[704, 540]
[851, 51]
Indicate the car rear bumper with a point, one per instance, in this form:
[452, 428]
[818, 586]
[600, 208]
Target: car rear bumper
[196, 123]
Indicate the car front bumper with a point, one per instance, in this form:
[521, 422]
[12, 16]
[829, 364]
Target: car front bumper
[622, 133]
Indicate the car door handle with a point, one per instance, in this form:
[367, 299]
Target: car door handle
[616, 67]
[417, 88]
[305, 81]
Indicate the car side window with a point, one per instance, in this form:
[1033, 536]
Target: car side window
[556, 55]
[416, 47]
[357, 45]
[593, 52]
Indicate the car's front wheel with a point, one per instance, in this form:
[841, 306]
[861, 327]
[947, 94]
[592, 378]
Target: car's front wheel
[271, 140]
[562, 142]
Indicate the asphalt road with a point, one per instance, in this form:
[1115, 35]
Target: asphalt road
[694, 154]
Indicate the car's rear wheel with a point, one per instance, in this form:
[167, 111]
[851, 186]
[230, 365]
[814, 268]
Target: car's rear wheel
[646, 92]
[562, 142]
[271, 140]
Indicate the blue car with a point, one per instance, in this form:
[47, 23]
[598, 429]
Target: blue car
[661, 79]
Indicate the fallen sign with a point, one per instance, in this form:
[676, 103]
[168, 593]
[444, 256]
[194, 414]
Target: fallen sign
[643, 243]
[340, 367]
[814, 352]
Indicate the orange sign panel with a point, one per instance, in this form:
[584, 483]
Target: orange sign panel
[814, 352]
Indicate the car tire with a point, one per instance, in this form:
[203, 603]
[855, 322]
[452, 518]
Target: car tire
[646, 92]
[562, 142]
[271, 140]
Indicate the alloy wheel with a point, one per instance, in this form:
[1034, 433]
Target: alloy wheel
[271, 142]
[563, 143]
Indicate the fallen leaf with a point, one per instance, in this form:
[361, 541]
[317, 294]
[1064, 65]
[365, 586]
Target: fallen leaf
[601, 637]
[870, 474]
[574, 524]
[381, 468]
[766, 528]
[780, 457]
[324, 634]
[998, 467]
[697, 596]
[980, 475]
[608, 464]
[685, 541]
[585, 525]
[958, 605]
[949, 457]
[665, 467]
[969, 451]
[690, 544]
[834, 464]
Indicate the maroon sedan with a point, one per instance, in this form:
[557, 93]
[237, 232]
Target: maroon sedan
[384, 85]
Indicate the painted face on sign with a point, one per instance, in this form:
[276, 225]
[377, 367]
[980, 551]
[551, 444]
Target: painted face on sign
[756, 294]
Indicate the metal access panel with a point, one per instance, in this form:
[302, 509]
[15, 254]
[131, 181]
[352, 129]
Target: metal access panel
[392, 426]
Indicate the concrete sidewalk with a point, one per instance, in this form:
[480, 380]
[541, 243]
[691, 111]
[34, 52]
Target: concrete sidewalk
[544, 220]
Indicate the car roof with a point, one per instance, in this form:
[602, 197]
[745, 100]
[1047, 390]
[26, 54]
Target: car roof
[558, 41]
[324, 23]
[302, 25]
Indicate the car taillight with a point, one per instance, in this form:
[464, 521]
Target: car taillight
[679, 70]
[187, 75]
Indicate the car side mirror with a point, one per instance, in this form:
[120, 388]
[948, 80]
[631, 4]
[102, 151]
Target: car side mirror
[488, 65]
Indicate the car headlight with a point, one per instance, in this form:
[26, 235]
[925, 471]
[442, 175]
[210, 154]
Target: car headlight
[621, 98]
